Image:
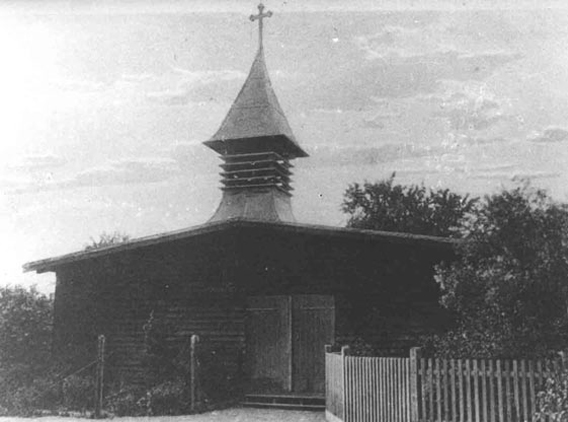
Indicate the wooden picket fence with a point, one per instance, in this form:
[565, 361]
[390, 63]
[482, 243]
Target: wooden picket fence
[416, 389]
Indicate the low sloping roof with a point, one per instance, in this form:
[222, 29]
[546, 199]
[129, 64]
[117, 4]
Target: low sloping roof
[50, 264]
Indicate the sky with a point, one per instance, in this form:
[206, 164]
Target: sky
[104, 106]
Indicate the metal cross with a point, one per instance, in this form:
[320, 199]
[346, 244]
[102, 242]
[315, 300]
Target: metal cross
[260, 17]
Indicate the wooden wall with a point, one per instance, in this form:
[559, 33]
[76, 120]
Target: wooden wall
[384, 292]
[186, 287]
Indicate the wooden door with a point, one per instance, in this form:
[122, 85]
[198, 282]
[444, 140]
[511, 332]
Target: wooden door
[286, 336]
[313, 326]
[269, 332]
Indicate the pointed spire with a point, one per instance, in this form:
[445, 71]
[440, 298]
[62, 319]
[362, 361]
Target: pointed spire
[256, 113]
[256, 145]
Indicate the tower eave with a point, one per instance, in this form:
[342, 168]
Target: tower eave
[279, 143]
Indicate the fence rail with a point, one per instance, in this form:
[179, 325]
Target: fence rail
[415, 389]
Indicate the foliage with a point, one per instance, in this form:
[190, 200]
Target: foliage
[164, 360]
[78, 392]
[25, 327]
[168, 362]
[107, 239]
[26, 399]
[413, 209]
[126, 403]
[552, 400]
[167, 398]
[509, 289]
[25, 342]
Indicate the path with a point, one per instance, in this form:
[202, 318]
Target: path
[229, 415]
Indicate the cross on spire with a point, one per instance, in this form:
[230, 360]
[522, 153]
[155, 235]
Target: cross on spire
[260, 17]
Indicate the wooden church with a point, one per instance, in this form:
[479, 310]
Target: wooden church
[264, 292]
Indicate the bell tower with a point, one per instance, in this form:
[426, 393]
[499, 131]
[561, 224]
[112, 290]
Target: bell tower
[256, 145]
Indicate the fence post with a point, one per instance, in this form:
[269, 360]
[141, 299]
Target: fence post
[193, 371]
[344, 352]
[415, 354]
[99, 385]
[327, 349]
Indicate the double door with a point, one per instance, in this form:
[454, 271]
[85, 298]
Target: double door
[286, 336]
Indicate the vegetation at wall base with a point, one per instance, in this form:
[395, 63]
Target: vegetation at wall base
[552, 400]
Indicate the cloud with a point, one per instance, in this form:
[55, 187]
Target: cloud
[514, 175]
[403, 41]
[123, 172]
[375, 123]
[181, 86]
[406, 61]
[329, 156]
[468, 106]
[383, 113]
[128, 172]
[485, 141]
[136, 77]
[170, 97]
[358, 86]
[195, 158]
[38, 162]
[550, 135]
[78, 85]
[417, 40]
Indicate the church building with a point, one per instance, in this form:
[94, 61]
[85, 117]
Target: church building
[264, 292]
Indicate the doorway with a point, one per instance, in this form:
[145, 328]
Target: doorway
[286, 336]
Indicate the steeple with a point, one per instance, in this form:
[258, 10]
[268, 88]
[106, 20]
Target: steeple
[256, 144]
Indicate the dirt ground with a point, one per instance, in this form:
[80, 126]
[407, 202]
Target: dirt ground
[228, 415]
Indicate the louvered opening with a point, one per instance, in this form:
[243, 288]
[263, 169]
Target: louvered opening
[247, 171]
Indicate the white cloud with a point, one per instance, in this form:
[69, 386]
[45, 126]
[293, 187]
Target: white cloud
[403, 41]
[129, 171]
[550, 135]
[139, 170]
[37, 162]
[367, 155]
[514, 175]
[182, 86]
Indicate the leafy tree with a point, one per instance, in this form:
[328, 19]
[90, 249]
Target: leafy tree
[413, 209]
[509, 288]
[25, 350]
[25, 327]
[107, 239]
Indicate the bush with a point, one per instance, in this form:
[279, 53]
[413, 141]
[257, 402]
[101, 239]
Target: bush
[27, 399]
[552, 401]
[78, 392]
[167, 398]
[25, 338]
[126, 403]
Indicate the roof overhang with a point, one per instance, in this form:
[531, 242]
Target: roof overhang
[279, 143]
[51, 264]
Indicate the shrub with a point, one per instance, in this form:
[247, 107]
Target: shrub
[78, 392]
[27, 399]
[552, 401]
[25, 338]
[167, 398]
[126, 403]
